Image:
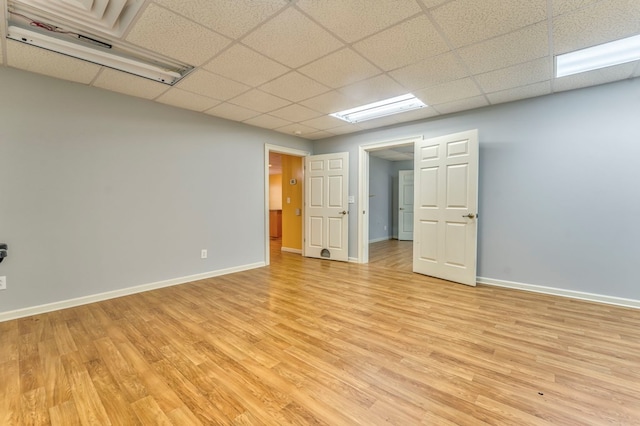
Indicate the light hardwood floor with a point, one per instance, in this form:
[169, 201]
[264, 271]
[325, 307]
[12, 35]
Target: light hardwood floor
[319, 342]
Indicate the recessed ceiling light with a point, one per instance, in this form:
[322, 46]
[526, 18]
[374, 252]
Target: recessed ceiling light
[379, 109]
[601, 56]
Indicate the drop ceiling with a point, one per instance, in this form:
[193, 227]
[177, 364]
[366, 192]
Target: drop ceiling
[285, 65]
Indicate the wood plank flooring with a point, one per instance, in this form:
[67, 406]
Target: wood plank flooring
[324, 343]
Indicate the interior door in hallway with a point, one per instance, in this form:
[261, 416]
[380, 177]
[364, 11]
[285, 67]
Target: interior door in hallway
[405, 205]
[326, 206]
[446, 207]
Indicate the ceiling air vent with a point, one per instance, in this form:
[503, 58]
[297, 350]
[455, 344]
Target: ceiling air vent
[107, 17]
[91, 30]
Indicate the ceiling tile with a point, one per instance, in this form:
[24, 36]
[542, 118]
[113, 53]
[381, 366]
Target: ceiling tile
[518, 75]
[448, 92]
[346, 129]
[461, 105]
[433, 3]
[324, 122]
[163, 31]
[515, 48]
[604, 21]
[318, 135]
[378, 122]
[41, 61]
[517, 93]
[373, 89]
[232, 18]
[183, 99]
[292, 39]
[267, 121]
[340, 68]
[242, 64]
[470, 21]
[128, 84]
[295, 113]
[331, 102]
[593, 78]
[296, 129]
[352, 20]
[403, 44]
[560, 7]
[430, 72]
[259, 101]
[294, 87]
[232, 112]
[211, 85]
[418, 114]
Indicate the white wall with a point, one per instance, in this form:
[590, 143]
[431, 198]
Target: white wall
[559, 199]
[101, 192]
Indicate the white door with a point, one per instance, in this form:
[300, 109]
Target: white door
[446, 207]
[405, 205]
[326, 206]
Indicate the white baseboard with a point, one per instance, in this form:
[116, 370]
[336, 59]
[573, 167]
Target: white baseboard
[291, 250]
[600, 298]
[64, 304]
[377, 240]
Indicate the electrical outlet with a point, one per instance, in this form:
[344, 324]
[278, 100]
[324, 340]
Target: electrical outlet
[3, 283]
[203, 254]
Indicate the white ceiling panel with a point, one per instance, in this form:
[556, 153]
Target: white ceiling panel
[352, 20]
[211, 85]
[233, 18]
[187, 100]
[601, 22]
[34, 59]
[324, 122]
[331, 102]
[430, 72]
[274, 63]
[267, 121]
[296, 129]
[518, 75]
[242, 64]
[166, 32]
[373, 89]
[292, 39]
[128, 84]
[232, 112]
[340, 69]
[461, 105]
[467, 22]
[295, 113]
[403, 44]
[294, 87]
[258, 100]
[448, 92]
[515, 48]
[523, 92]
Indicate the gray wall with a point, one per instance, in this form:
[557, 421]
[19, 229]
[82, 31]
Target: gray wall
[559, 199]
[100, 192]
[380, 199]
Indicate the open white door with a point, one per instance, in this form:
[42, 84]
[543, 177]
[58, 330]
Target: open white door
[326, 206]
[446, 207]
[405, 205]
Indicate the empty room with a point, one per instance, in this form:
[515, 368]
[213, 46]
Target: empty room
[326, 212]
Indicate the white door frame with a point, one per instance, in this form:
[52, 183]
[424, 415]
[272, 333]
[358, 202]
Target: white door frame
[268, 148]
[363, 190]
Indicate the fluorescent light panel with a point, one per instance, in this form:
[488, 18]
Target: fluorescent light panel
[163, 73]
[596, 57]
[379, 109]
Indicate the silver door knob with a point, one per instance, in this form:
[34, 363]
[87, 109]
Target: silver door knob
[470, 215]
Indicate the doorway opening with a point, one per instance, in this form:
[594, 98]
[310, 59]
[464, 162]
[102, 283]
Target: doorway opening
[370, 157]
[284, 195]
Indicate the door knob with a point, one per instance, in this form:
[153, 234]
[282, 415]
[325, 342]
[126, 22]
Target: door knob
[401, 208]
[470, 215]
[343, 212]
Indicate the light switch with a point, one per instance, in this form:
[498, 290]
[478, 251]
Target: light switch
[297, 212]
[352, 199]
[288, 200]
